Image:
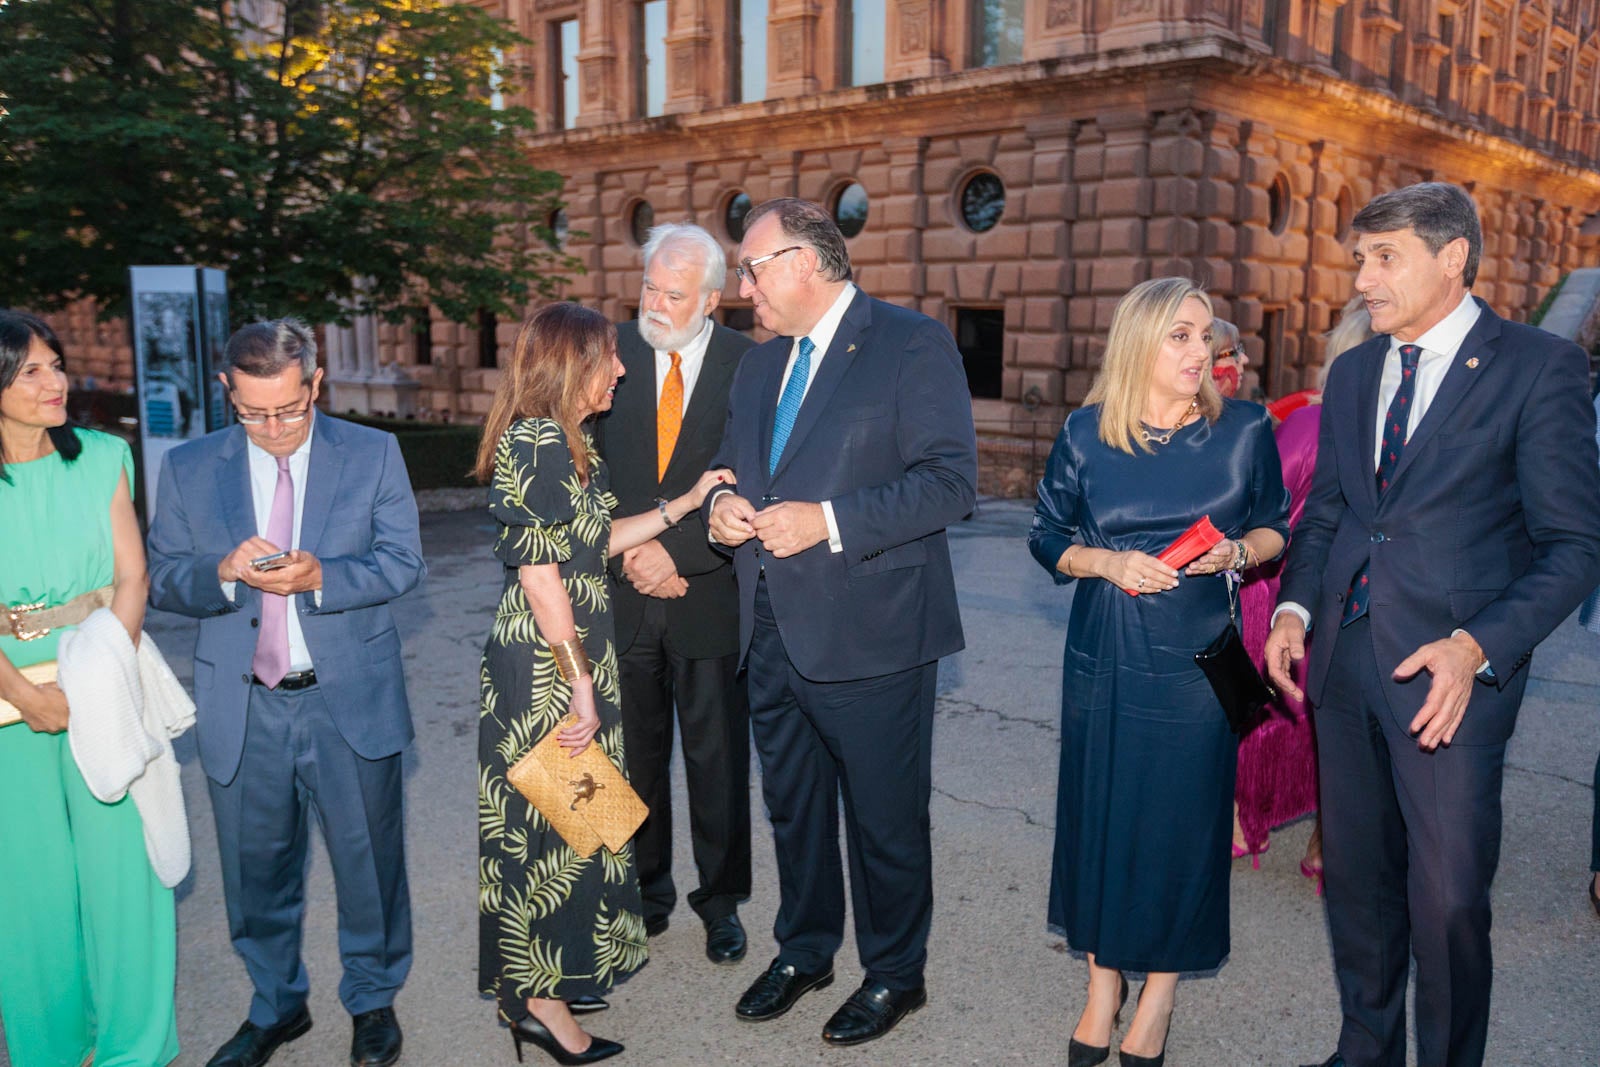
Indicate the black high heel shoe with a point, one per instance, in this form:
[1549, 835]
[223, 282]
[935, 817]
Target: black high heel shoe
[1081, 1055]
[533, 1031]
[1129, 1059]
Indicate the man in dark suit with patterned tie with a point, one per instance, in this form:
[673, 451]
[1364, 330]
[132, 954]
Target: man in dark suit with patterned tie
[676, 607]
[851, 437]
[1453, 522]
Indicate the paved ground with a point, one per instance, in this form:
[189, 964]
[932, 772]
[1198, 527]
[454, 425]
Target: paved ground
[1001, 988]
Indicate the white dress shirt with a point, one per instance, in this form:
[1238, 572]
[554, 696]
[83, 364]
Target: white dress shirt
[822, 336]
[1439, 347]
[691, 357]
[263, 487]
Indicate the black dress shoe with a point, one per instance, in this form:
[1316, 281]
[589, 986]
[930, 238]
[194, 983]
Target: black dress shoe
[534, 1032]
[871, 1012]
[253, 1045]
[655, 926]
[587, 1005]
[776, 991]
[1594, 895]
[1335, 1060]
[725, 942]
[376, 1040]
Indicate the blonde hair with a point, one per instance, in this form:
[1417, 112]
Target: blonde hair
[1354, 326]
[1138, 328]
[558, 354]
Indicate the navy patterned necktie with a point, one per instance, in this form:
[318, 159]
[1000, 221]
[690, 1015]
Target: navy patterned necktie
[1395, 423]
[789, 403]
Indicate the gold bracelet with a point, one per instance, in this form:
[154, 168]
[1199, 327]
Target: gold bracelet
[571, 660]
[1066, 560]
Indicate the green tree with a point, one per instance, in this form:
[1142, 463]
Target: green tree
[335, 156]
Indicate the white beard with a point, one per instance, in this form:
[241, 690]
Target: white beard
[659, 335]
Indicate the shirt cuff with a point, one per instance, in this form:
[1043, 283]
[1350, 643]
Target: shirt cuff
[834, 544]
[1294, 609]
[710, 537]
[1484, 671]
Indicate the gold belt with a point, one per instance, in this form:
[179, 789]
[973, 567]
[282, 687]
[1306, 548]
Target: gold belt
[29, 622]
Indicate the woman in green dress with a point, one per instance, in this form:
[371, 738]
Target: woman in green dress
[554, 927]
[87, 939]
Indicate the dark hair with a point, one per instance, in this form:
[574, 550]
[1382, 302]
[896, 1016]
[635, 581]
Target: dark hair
[17, 331]
[810, 225]
[555, 359]
[267, 349]
[1437, 212]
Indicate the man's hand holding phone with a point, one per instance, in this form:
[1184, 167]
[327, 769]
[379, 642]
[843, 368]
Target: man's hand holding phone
[259, 563]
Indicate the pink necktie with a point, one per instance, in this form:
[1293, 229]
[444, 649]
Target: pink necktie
[271, 661]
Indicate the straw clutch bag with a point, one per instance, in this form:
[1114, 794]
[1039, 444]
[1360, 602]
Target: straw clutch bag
[585, 797]
[38, 674]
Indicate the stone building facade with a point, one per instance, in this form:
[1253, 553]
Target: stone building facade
[1021, 163]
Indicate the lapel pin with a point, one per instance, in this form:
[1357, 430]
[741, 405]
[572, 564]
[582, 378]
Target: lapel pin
[1472, 364]
[852, 348]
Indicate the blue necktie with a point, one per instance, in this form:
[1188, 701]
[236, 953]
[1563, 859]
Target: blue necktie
[789, 403]
[1395, 422]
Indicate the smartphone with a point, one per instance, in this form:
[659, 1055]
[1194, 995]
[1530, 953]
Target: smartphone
[272, 562]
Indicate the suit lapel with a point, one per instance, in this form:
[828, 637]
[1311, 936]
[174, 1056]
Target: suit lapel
[238, 503]
[769, 408]
[1479, 347]
[322, 481]
[842, 352]
[631, 423]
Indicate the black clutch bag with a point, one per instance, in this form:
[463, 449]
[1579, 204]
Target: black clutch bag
[1239, 686]
[1240, 689]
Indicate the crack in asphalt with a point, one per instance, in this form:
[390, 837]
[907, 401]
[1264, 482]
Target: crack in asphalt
[968, 708]
[969, 802]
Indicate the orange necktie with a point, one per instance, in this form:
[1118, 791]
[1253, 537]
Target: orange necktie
[669, 415]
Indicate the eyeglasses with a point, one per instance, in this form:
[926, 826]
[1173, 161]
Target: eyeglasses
[1226, 353]
[292, 417]
[746, 270]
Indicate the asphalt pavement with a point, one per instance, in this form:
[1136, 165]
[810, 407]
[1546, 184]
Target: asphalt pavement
[1002, 989]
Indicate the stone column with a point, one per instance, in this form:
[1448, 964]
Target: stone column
[691, 73]
[599, 70]
[792, 48]
[916, 45]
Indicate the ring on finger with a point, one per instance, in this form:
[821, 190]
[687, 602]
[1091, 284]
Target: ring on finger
[1142, 582]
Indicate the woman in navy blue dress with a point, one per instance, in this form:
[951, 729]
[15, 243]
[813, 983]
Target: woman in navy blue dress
[1144, 806]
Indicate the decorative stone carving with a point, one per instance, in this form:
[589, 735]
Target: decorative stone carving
[914, 27]
[791, 47]
[1061, 13]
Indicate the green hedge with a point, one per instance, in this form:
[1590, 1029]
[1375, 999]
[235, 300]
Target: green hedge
[438, 455]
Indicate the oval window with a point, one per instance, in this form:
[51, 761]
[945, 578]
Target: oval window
[983, 201]
[850, 209]
[640, 220]
[733, 215]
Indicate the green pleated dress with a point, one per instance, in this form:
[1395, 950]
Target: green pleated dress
[87, 933]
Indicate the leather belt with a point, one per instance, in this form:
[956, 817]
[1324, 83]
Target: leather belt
[29, 622]
[292, 681]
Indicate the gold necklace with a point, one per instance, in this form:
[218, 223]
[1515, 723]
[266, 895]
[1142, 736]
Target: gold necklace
[1165, 438]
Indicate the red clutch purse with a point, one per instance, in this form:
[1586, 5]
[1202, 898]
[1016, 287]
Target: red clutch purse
[1190, 546]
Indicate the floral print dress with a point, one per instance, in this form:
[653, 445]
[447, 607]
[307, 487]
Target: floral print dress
[551, 923]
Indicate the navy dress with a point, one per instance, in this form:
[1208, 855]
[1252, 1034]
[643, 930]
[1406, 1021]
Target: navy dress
[1144, 804]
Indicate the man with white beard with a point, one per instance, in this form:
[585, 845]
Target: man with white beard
[677, 613]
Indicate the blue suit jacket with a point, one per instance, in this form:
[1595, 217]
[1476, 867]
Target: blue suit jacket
[886, 434]
[359, 519]
[1491, 522]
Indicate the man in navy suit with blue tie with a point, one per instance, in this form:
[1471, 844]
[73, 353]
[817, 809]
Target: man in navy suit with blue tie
[851, 437]
[298, 682]
[1453, 522]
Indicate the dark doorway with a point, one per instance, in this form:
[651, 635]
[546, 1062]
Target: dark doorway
[981, 337]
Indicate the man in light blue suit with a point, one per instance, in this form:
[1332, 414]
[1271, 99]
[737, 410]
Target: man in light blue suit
[287, 537]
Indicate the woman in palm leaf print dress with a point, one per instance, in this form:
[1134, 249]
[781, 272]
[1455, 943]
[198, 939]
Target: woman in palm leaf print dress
[553, 926]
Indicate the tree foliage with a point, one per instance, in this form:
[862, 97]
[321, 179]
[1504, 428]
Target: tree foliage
[335, 156]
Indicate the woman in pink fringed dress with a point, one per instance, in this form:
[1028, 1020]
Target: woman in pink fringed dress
[1277, 778]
